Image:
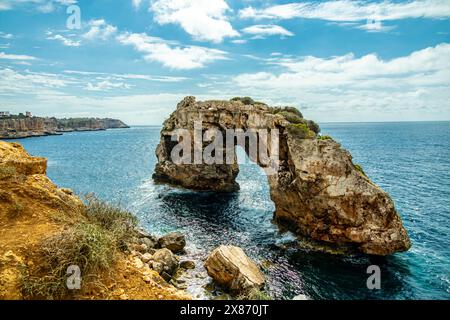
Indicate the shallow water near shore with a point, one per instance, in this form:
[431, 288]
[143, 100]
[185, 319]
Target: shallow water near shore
[411, 161]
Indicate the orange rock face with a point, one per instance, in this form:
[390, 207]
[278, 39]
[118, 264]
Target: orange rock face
[32, 210]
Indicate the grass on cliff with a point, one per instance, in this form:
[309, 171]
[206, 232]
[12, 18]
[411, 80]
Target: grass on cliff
[325, 137]
[92, 245]
[120, 223]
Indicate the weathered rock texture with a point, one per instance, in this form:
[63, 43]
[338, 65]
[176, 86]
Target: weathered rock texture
[317, 190]
[174, 241]
[15, 127]
[230, 267]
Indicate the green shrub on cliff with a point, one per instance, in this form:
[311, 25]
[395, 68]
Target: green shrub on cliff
[292, 117]
[314, 127]
[301, 130]
[291, 114]
[247, 100]
[325, 137]
[244, 100]
[293, 110]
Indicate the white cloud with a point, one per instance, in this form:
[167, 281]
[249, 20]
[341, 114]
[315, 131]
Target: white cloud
[267, 30]
[48, 93]
[65, 41]
[205, 20]
[99, 30]
[136, 3]
[239, 41]
[12, 81]
[44, 6]
[171, 55]
[128, 76]
[107, 85]
[15, 56]
[340, 85]
[5, 35]
[346, 10]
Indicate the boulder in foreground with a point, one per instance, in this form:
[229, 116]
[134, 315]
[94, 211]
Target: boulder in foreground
[232, 269]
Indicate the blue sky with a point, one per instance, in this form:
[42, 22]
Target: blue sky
[134, 60]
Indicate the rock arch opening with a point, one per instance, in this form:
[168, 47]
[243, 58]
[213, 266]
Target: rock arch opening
[317, 190]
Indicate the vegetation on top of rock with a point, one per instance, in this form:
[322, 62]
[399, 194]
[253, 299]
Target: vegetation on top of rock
[294, 116]
[326, 137]
[291, 114]
[301, 130]
[246, 100]
[292, 110]
[314, 127]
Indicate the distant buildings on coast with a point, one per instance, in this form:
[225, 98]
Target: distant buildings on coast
[6, 114]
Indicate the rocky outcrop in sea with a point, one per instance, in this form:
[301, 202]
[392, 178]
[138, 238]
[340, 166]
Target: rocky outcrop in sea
[318, 191]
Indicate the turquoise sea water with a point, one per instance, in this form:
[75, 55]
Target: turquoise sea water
[409, 160]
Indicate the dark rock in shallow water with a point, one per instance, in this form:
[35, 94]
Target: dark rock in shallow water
[174, 241]
[317, 190]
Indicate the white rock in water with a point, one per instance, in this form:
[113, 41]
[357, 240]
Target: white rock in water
[301, 297]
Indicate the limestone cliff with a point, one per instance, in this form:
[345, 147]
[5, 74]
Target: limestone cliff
[317, 190]
[35, 212]
[24, 127]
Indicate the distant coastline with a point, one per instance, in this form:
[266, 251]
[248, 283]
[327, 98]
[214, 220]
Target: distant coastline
[21, 126]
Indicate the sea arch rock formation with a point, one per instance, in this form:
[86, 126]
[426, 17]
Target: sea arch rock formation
[317, 190]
